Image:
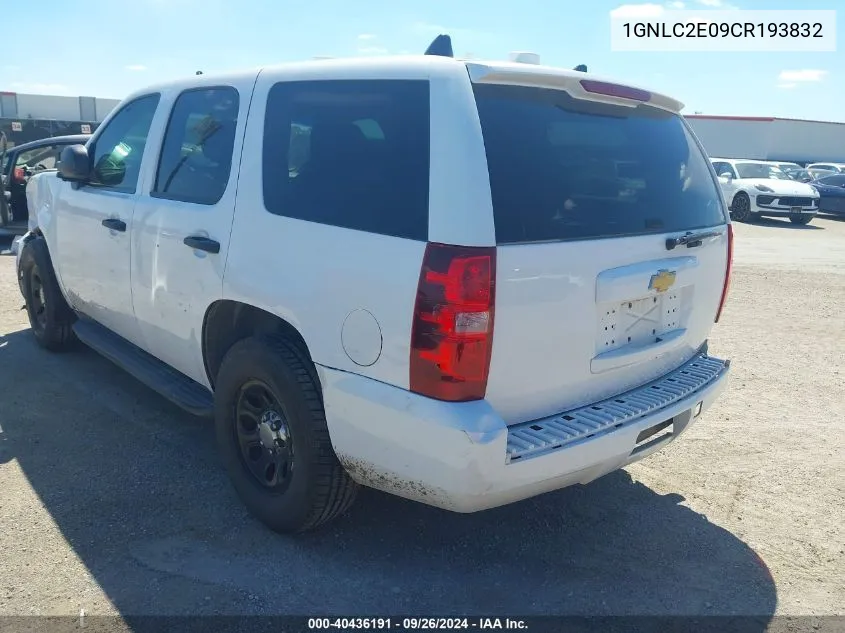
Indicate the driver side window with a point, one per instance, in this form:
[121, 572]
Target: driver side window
[117, 151]
[724, 169]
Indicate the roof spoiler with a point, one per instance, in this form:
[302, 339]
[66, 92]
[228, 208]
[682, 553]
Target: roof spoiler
[441, 46]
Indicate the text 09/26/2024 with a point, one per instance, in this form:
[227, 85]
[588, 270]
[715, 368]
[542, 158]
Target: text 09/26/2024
[652, 28]
[415, 624]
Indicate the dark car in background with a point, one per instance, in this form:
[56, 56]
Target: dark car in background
[831, 194]
[20, 163]
[807, 175]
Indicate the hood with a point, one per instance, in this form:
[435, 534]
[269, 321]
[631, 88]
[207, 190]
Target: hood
[780, 187]
[828, 188]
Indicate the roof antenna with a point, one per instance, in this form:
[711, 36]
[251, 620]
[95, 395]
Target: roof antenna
[581, 68]
[442, 46]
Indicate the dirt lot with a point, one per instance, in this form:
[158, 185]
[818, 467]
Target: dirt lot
[113, 501]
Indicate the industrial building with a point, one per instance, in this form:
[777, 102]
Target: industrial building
[770, 138]
[28, 117]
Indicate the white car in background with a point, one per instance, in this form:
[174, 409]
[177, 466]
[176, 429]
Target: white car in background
[755, 189]
[785, 166]
[836, 168]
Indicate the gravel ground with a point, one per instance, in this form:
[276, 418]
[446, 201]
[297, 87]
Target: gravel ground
[113, 501]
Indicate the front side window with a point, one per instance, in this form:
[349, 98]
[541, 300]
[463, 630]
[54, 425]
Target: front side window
[196, 155]
[118, 150]
[724, 169]
[349, 153]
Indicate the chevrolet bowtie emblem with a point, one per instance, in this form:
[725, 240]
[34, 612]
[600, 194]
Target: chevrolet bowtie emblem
[662, 281]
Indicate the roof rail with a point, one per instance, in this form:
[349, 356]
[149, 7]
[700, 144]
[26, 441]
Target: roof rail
[441, 45]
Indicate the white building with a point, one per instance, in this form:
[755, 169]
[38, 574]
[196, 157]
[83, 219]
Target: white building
[14, 105]
[770, 138]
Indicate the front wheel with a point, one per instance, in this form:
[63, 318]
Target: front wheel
[50, 317]
[800, 219]
[5, 212]
[741, 208]
[273, 437]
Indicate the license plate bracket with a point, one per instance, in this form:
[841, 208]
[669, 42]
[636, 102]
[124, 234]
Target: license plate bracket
[796, 210]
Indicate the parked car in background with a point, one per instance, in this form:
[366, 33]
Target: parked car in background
[22, 162]
[785, 166]
[837, 168]
[807, 175]
[832, 194]
[755, 189]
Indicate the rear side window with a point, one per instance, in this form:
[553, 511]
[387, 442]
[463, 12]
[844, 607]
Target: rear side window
[196, 155]
[564, 169]
[349, 153]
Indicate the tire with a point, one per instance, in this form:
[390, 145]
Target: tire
[5, 212]
[741, 208]
[50, 317]
[301, 486]
[800, 219]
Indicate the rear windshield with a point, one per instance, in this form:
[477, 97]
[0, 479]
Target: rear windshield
[563, 169]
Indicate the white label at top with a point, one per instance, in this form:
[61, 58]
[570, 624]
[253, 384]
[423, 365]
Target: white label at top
[654, 28]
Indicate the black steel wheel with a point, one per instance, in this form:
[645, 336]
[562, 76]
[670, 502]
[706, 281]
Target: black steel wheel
[273, 436]
[263, 436]
[37, 303]
[50, 317]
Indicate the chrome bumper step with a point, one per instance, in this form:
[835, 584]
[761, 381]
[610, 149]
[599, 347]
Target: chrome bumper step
[530, 439]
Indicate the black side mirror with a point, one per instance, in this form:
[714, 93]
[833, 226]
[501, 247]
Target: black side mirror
[75, 164]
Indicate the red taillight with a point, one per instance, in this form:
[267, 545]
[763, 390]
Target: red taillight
[615, 90]
[452, 333]
[727, 272]
[19, 175]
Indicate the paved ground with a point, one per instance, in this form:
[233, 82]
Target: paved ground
[113, 501]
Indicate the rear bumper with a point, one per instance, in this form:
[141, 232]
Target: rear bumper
[463, 457]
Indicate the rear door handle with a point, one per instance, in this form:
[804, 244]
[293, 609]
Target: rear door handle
[202, 243]
[114, 224]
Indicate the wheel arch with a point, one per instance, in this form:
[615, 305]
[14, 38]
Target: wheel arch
[227, 321]
[740, 191]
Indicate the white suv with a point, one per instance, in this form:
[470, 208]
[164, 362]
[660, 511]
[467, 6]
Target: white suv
[756, 189]
[464, 283]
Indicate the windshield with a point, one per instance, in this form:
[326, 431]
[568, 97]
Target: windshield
[561, 168]
[760, 170]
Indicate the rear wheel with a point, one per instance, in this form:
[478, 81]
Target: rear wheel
[50, 317]
[800, 219]
[273, 438]
[741, 208]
